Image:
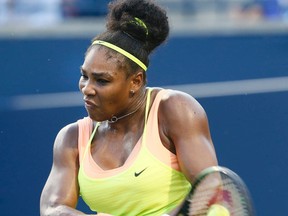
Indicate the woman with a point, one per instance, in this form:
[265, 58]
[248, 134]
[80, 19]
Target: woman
[140, 148]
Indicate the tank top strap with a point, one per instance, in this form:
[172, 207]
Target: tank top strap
[90, 140]
[154, 108]
[149, 90]
[85, 127]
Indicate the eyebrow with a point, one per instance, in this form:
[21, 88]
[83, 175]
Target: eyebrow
[97, 74]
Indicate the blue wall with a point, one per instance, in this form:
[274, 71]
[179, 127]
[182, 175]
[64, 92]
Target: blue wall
[249, 131]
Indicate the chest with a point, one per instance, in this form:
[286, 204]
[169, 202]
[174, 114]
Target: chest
[111, 150]
[141, 180]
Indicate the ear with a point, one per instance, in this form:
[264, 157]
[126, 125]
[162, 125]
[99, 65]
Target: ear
[136, 81]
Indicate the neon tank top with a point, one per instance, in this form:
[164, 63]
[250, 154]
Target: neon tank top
[149, 182]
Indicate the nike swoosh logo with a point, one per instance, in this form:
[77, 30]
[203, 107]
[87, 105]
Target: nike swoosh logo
[136, 174]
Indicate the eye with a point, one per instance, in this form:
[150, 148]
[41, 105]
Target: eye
[83, 76]
[102, 81]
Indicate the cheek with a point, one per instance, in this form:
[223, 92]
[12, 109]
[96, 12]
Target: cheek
[81, 84]
[109, 99]
[113, 101]
[119, 100]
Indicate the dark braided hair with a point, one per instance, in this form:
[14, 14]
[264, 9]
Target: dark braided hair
[124, 31]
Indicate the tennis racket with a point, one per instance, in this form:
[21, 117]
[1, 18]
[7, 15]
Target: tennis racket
[218, 191]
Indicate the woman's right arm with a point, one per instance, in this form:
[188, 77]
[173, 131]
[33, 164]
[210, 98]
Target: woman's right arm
[61, 191]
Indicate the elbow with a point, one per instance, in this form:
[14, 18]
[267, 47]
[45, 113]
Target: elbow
[48, 208]
[45, 211]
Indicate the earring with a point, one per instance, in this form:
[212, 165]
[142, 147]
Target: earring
[132, 92]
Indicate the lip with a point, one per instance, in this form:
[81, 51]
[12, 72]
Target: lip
[89, 103]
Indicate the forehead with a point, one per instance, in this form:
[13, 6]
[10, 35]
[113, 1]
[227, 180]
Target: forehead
[100, 55]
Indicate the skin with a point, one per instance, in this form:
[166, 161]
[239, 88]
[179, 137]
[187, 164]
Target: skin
[183, 129]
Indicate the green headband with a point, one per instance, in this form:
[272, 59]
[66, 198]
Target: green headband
[123, 52]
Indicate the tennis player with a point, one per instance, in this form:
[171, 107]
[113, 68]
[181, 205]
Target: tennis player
[139, 149]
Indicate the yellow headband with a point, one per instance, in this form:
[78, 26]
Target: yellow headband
[141, 23]
[123, 52]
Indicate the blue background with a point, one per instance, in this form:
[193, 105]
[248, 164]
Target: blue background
[249, 131]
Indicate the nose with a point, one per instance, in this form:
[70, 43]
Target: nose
[87, 88]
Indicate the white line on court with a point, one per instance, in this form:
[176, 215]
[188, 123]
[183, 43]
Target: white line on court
[201, 90]
[239, 87]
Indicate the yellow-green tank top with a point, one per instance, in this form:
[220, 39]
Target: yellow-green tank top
[149, 183]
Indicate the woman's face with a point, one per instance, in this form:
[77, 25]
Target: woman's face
[105, 87]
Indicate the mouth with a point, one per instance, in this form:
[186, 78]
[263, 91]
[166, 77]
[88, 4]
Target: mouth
[89, 104]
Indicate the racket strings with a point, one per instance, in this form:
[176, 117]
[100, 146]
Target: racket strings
[218, 189]
[235, 203]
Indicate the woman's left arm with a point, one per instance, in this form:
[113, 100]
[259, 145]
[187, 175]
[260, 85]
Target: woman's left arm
[184, 122]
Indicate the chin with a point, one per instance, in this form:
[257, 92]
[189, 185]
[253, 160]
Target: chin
[95, 117]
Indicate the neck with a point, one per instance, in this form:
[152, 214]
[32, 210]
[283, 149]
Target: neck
[115, 119]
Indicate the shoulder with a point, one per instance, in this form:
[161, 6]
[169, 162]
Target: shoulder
[67, 137]
[180, 104]
[179, 113]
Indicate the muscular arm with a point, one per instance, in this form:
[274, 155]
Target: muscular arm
[184, 123]
[60, 193]
[184, 130]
